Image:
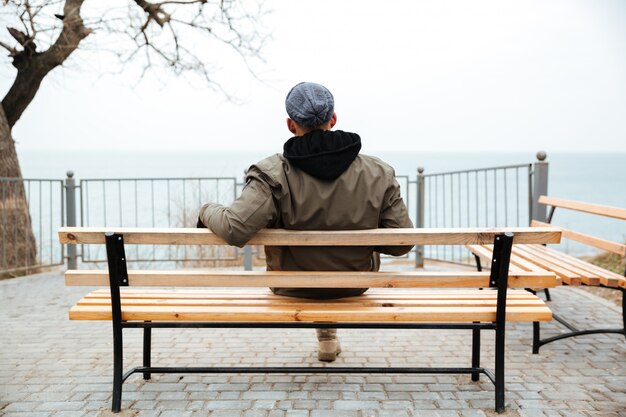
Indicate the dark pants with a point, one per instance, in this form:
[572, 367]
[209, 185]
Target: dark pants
[319, 293]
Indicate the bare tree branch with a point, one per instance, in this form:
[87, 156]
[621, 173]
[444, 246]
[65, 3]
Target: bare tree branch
[12, 50]
[154, 12]
[157, 35]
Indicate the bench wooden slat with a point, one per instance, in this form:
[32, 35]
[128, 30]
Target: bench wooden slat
[486, 256]
[348, 315]
[266, 294]
[586, 277]
[212, 297]
[312, 279]
[607, 278]
[607, 211]
[517, 262]
[572, 270]
[279, 237]
[300, 305]
[596, 242]
[566, 275]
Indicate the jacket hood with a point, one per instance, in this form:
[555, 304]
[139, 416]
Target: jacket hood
[323, 154]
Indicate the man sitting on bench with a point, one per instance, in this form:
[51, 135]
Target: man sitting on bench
[320, 182]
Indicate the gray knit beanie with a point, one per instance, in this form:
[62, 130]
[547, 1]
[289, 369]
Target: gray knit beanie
[310, 104]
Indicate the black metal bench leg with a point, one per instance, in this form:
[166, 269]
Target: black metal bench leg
[475, 353]
[118, 276]
[573, 330]
[536, 337]
[118, 358]
[624, 309]
[499, 369]
[479, 267]
[147, 342]
[547, 293]
[499, 278]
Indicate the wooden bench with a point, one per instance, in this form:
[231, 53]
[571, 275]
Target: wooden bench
[397, 300]
[569, 269]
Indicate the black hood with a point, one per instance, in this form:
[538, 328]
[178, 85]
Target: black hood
[323, 154]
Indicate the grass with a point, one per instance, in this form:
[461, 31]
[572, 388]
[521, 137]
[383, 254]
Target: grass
[610, 261]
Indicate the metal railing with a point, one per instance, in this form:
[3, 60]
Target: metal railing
[31, 212]
[154, 202]
[485, 197]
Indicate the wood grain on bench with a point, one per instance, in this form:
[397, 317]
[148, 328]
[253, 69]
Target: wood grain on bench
[571, 270]
[309, 279]
[241, 305]
[280, 237]
[607, 245]
[607, 211]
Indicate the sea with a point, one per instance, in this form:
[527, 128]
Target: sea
[591, 177]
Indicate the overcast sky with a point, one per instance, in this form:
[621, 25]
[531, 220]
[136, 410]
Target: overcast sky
[411, 75]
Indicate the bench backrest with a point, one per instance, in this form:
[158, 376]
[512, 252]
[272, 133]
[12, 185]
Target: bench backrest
[118, 237]
[597, 209]
[282, 237]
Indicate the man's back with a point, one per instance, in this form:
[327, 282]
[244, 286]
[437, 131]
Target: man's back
[364, 196]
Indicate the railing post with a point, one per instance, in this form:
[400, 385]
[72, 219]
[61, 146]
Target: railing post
[540, 187]
[70, 216]
[247, 258]
[419, 216]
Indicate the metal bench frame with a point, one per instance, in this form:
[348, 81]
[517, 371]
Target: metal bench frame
[574, 331]
[118, 277]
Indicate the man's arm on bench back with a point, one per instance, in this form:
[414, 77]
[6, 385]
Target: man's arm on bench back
[394, 215]
[248, 214]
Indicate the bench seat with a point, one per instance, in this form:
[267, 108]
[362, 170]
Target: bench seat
[261, 305]
[210, 298]
[570, 270]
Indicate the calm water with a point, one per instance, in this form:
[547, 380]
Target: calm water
[597, 178]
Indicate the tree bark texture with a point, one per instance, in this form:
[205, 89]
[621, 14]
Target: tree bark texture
[18, 247]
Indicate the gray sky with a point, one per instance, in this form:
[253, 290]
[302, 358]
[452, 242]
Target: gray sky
[407, 75]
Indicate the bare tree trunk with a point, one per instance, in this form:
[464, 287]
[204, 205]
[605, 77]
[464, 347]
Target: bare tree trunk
[9, 166]
[18, 247]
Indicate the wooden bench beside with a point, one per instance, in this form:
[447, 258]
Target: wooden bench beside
[569, 269]
[397, 300]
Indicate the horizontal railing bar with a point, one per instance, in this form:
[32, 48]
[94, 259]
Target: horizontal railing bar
[130, 261]
[33, 267]
[15, 179]
[162, 179]
[477, 170]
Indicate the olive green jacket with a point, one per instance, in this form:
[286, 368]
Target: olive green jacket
[279, 195]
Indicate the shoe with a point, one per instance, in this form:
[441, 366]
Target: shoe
[328, 350]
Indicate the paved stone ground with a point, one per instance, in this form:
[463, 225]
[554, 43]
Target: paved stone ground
[50, 366]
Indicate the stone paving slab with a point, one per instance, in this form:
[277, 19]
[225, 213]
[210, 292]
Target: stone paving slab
[50, 366]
